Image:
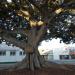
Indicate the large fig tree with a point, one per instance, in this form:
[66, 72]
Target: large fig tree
[24, 23]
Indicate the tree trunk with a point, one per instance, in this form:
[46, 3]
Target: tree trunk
[31, 61]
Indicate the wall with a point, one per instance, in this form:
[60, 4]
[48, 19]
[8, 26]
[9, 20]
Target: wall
[8, 58]
[60, 51]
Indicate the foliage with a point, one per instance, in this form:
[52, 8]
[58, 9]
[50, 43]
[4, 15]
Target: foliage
[59, 25]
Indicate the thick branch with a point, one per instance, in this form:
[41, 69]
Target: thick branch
[40, 34]
[22, 44]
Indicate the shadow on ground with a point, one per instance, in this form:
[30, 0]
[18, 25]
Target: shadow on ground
[43, 71]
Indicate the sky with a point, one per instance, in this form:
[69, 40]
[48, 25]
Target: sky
[47, 45]
[9, 1]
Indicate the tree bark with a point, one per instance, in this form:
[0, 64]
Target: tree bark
[34, 58]
[32, 61]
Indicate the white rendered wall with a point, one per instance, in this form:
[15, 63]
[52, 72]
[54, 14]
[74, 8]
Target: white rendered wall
[59, 51]
[15, 58]
[56, 54]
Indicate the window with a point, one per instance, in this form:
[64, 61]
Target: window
[20, 52]
[23, 53]
[12, 53]
[64, 56]
[72, 56]
[2, 53]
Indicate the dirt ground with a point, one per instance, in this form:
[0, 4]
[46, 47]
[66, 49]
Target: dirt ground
[43, 71]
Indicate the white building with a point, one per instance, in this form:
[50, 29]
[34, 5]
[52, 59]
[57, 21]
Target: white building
[54, 51]
[63, 53]
[9, 54]
[59, 53]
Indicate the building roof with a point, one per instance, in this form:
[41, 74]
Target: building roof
[5, 47]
